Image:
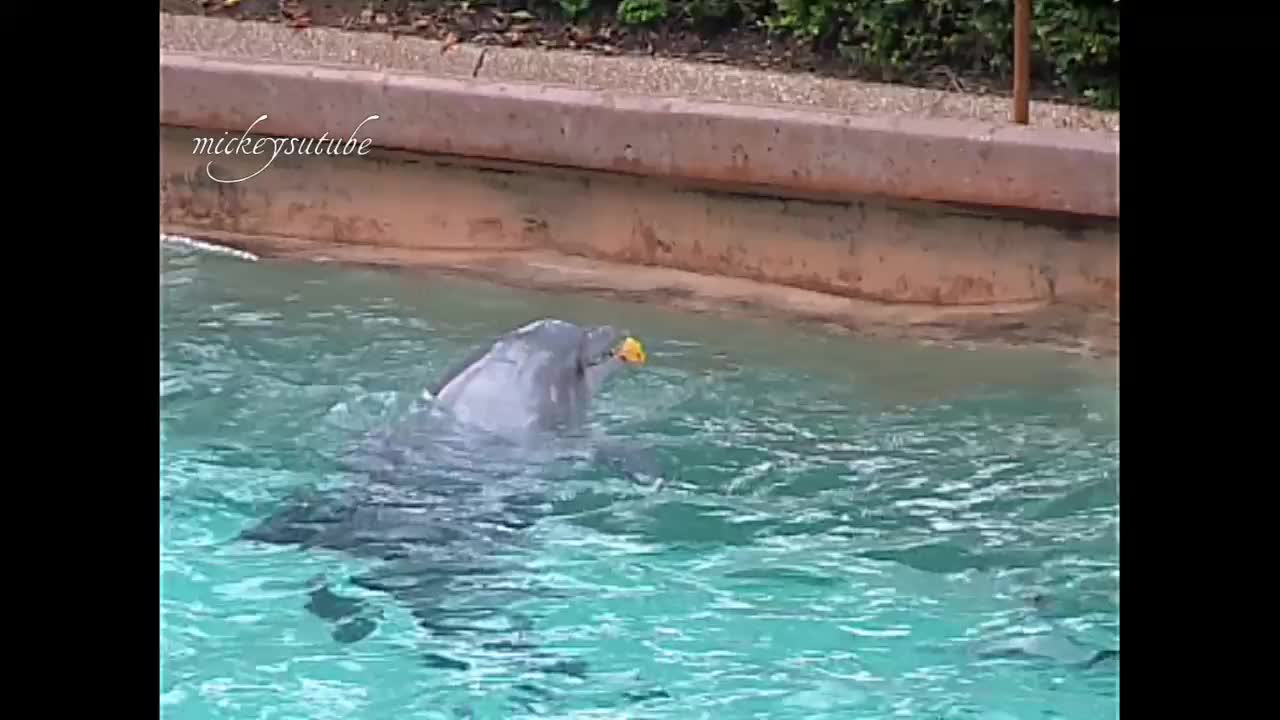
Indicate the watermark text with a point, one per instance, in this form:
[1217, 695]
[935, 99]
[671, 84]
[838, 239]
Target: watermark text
[244, 145]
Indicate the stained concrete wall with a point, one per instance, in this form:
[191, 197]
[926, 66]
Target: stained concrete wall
[1016, 227]
[866, 249]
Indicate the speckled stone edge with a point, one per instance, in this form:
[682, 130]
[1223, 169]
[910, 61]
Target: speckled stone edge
[632, 74]
[761, 148]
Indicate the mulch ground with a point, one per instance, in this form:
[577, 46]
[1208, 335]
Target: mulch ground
[485, 22]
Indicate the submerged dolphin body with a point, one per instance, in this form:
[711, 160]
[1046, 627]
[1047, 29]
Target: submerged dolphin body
[1056, 644]
[1054, 647]
[449, 490]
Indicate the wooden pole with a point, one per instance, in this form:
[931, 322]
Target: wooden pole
[1021, 61]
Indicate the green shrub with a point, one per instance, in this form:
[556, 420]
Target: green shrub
[1075, 44]
[573, 8]
[642, 12]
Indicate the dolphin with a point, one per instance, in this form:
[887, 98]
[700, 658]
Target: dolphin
[1053, 647]
[1056, 644]
[448, 490]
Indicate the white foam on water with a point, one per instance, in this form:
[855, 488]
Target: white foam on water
[207, 247]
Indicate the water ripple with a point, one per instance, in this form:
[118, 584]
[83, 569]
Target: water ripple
[883, 533]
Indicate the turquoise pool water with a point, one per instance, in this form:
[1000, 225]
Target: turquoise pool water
[856, 529]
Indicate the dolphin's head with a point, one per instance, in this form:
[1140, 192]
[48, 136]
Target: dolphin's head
[537, 376]
[604, 350]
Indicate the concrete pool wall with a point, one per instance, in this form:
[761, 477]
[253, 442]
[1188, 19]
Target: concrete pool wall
[939, 228]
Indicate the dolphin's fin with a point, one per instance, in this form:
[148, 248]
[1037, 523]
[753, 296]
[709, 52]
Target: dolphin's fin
[351, 623]
[326, 605]
[354, 630]
[1100, 656]
[303, 516]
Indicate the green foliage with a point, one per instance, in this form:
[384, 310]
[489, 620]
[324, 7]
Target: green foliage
[1075, 43]
[642, 12]
[708, 9]
[573, 8]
